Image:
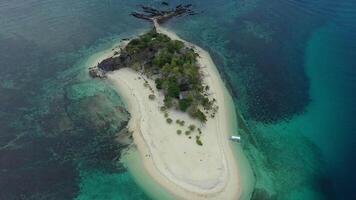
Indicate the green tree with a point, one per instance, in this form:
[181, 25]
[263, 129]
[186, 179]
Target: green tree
[158, 83]
[167, 101]
[200, 115]
[173, 87]
[184, 104]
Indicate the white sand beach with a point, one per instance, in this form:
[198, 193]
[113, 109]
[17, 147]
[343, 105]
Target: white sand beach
[177, 163]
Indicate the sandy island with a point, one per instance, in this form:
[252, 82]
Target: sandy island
[175, 162]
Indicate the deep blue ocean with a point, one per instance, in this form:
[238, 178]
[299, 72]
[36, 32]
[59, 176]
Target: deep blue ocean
[290, 66]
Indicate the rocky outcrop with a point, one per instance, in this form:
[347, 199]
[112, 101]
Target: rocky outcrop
[151, 14]
[96, 72]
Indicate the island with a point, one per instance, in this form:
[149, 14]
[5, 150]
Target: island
[180, 110]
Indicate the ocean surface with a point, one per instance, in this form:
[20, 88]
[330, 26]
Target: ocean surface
[289, 65]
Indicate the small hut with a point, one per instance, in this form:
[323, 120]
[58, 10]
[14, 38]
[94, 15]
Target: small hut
[183, 94]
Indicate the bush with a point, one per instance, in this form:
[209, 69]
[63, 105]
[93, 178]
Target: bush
[158, 83]
[151, 96]
[187, 132]
[136, 66]
[179, 132]
[169, 120]
[167, 101]
[192, 110]
[207, 88]
[199, 130]
[163, 108]
[177, 121]
[182, 123]
[162, 58]
[200, 115]
[173, 88]
[165, 114]
[192, 127]
[184, 104]
[198, 141]
[175, 45]
[206, 103]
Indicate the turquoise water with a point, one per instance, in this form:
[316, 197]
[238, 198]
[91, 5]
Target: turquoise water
[288, 65]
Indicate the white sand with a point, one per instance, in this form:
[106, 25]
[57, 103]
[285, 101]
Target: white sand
[177, 163]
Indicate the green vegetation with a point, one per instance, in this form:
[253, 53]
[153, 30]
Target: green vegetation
[168, 101]
[163, 108]
[199, 130]
[174, 68]
[191, 127]
[169, 120]
[184, 104]
[151, 96]
[158, 83]
[172, 87]
[181, 123]
[198, 141]
[187, 132]
[200, 115]
[196, 113]
[179, 132]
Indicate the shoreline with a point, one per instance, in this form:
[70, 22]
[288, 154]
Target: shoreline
[243, 165]
[228, 185]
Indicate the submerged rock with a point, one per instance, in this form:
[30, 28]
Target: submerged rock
[149, 13]
[96, 73]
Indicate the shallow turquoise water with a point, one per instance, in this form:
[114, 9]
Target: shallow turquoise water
[288, 64]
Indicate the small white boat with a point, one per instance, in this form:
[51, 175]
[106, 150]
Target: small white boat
[235, 138]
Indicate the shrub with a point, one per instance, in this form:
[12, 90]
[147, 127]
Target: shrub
[182, 123]
[173, 88]
[179, 132]
[192, 110]
[199, 130]
[200, 115]
[187, 132]
[158, 83]
[169, 120]
[136, 66]
[206, 103]
[192, 127]
[163, 108]
[162, 58]
[167, 101]
[207, 87]
[184, 104]
[165, 114]
[151, 96]
[178, 121]
[198, 141]
[175, 45]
